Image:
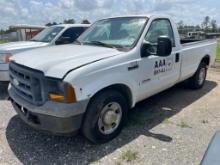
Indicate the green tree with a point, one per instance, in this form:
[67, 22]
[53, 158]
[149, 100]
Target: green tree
[69, 21]
[51, 24]
[198, 28]
[2, 31]
[85, 21]
[214, 25]
[180, 24]
[206, 24]
[9, 30]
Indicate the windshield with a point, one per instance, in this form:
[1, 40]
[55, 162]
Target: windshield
[114, 32]
[48, 34]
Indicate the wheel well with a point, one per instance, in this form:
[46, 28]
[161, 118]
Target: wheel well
[206, 60]
[123, 89]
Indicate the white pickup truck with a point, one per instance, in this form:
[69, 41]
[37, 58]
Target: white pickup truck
[91, 84]
[54, 35]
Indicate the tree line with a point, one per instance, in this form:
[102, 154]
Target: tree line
[208, 25]
[66, 21]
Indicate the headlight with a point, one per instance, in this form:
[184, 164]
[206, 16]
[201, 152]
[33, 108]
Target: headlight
[60, 91]
[4, 57]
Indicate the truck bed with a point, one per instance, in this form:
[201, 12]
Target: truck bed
[193, 52]
[194, 42]
[189, 40]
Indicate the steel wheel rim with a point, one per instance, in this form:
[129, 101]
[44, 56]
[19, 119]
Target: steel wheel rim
[202, 75]
[110, 118]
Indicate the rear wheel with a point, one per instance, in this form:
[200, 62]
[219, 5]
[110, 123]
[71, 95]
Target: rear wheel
[105, 116]
[198, 79]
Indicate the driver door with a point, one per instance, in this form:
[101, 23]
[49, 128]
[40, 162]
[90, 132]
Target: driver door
[158, 73]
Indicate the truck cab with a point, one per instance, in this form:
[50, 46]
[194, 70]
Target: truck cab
[51, 36]
[89, 86]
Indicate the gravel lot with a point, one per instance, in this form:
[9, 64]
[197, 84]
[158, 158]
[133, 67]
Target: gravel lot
[174, 127]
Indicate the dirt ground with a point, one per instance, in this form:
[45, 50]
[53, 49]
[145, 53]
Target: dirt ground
[173, 127]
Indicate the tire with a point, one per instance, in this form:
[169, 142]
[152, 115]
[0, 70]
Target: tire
[100, 111]
[198, 79]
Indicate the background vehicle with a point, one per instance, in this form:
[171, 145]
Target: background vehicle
[54, 35]
[116, 63]
[212, 154]
[199, 35]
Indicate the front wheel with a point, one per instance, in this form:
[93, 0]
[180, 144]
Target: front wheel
[105, 116]
[198, 79]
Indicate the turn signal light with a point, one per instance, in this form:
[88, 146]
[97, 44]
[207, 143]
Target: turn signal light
[6, 57]
[68, 97]
[56, 97]
[71, 96]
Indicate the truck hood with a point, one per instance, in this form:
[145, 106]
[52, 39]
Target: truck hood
[15, 47]
[56, 61]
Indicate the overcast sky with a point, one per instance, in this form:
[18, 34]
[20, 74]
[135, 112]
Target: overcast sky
[43, 11]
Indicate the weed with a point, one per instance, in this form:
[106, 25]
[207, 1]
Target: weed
[183, 125]
[129, 155]
[167, 121]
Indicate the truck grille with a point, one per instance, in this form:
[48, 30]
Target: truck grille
[27, 83]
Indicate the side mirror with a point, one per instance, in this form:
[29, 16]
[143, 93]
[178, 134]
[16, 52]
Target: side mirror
[63, 40]
[148, 49]
[164, 46]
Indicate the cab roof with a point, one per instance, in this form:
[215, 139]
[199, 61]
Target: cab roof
[156, 15]
[74, 25]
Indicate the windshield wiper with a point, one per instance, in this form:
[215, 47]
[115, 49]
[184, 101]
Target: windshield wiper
[38, 41]
[34, 40]
[100, 43]
[77, 42]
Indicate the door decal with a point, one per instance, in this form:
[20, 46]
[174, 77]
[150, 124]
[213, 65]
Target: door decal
[163, 65]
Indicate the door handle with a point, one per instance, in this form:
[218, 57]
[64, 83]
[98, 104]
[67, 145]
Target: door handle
[177, 58]
[133, 66]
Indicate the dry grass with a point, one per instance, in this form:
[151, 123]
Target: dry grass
[218, 51]
[2, 42]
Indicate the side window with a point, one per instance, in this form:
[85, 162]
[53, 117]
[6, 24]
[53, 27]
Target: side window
[73, 33]
[160, 27]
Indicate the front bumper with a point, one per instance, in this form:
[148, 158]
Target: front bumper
[54, 117]
[4, 75]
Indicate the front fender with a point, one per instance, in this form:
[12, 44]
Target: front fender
[87, 87]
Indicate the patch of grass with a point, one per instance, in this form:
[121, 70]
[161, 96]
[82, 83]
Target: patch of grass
[167, 121]
[129, 155]
[218, 51]
[184, 125]
[2, 41]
